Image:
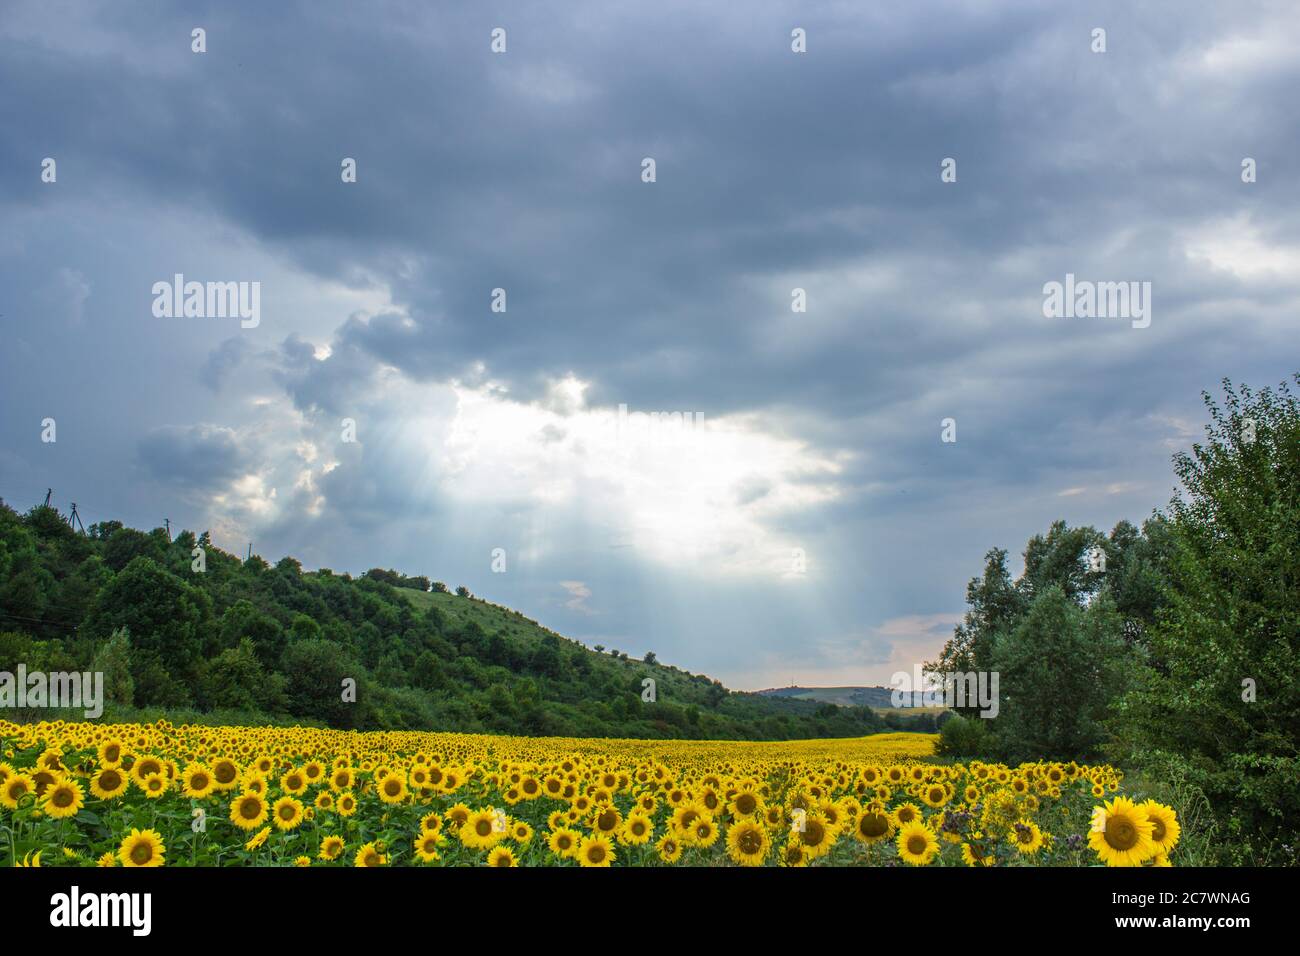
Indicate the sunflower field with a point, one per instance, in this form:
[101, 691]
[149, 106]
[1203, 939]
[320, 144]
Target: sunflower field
[144, 795]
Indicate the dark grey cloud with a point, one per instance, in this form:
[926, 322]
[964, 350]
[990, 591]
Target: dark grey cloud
[197, 457]
[223, 360]
[521, 171]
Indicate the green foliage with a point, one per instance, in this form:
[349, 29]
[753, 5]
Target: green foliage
[113, 660]
[273, 643]
[964, 737]
[1059, 668]
[166, 618]
[1231, 623]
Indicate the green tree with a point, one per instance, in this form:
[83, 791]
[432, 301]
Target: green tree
[236, 680]
[303, 628]
[113, 660]
[428, 672]
[1219, 707]
[243, 620]
[166, 618]
[994, 604]
[315, 672]
[546, 658]
[1058, 670]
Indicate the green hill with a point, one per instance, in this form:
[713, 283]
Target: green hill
[243, 641]
[876, 697]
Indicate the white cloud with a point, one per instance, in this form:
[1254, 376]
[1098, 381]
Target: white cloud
[578, 594]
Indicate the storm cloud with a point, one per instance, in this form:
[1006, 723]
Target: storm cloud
[812, 526]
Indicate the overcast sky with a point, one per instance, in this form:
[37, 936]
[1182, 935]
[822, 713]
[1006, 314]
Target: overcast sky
[816, 433]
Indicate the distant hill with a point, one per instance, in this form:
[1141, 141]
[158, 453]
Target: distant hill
[243, 641]
[875, 697]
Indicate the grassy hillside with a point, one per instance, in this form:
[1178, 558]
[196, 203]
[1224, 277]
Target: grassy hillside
[878, 699]
[183, 629]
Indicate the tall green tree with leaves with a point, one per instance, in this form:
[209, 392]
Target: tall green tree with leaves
[1219, 707]
[1058, 669]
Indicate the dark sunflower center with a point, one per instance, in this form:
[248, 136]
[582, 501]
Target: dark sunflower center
[813, 832]
[916, 844]
[1120, 833]
[873, 825]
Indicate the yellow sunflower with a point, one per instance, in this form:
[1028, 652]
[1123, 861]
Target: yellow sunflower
[427, 844]
[155, 786]
[392, 789]
[814, 837]
[748, 843]
[287, 813]
[1165, 829]
[483, 830]
[248, 811]
[1026, 837]
[668, 848]
[564, 842]
[109, 783]
[63, 798]
[873, 826]
[916, 844]
[596, 851]
[637, 829]
[197, 781]
[1121, 833]
[142, 848]
[501, 856]
[368, 856]
[257, 839]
